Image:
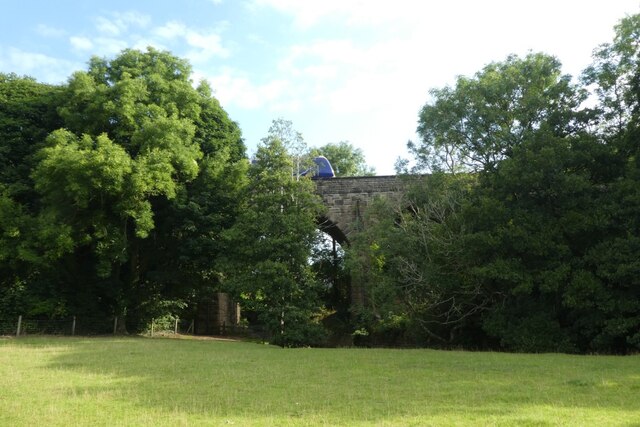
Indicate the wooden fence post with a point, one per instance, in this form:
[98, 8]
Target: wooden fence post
[19, 325]
[73, 326]
[115, 325]
[175, 327]
[152, 322]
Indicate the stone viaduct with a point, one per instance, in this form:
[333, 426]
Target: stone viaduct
[347, 198]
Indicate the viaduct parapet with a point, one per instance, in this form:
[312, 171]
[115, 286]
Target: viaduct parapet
[347, 198]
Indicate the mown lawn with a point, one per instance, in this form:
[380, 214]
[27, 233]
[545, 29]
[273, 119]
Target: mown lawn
[152, 382]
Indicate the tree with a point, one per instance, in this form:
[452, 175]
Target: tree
[477, 123]
[605, 294]
[614, 76]
[138, 184]
[346, 159]
[411, 255]
[282, 130]
[270, 245]
[540, 253]
[27, 115]
[183, 251]
[530, 222]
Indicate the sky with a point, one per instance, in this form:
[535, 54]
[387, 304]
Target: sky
[340, 70]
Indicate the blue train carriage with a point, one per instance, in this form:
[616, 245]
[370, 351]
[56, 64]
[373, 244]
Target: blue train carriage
[323, 168]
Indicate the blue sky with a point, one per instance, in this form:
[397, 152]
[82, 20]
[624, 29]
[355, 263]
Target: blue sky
[356, 70]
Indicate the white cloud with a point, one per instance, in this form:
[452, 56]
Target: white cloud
[142, 43]
[100, 46]
[353, 12]
[232, 87]
[47, 69]
[306, 13]
[113, 34]
[107, 26]
[203, 45]
[171, 30]
[455, 28]
[81, 43]
[347, 78]
[108, 46]
[197, 46]
[119, 23]
[50, 32]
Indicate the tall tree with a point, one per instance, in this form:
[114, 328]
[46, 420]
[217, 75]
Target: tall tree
[614, 76]
[282, 130]
[543, 247]
[141, 151]
[27, 115]
[477, 123]
[411, 255]
[531, 221]
[606, 294]
[270, 246]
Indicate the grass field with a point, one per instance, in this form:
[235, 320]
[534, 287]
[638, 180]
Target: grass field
[152, 382]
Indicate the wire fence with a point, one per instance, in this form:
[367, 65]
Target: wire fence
[164, 327]
[75, 325]
[87, 326]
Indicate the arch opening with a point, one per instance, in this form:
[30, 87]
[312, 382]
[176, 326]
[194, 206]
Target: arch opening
[331, 228]
[329, 265]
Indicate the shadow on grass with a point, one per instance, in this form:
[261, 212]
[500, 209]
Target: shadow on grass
[210, 380]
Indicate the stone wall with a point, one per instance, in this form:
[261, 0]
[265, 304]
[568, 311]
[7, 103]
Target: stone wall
[347, 198]
[216, 314]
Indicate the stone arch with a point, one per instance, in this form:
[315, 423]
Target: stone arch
[347, 198]
[330, 227]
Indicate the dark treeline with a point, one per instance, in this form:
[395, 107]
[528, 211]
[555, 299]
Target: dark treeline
[127, 192]
[114, 190]
[526, 235]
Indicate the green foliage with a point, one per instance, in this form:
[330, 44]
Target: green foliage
[282, 130]
[27, 115]
[533, 227]
[477, 123]
[270, 245]
[539, 252]
[409, 257]
[614, 76]
[529, 327]
[126, 191]
[555, 225]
